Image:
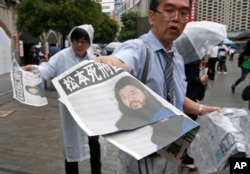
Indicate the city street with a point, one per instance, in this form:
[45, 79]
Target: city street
[30, 137]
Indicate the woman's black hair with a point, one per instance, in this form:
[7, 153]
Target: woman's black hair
[154, 4]
[79, 33]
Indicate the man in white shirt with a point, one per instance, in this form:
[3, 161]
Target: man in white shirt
[212, 58]
[222, 55]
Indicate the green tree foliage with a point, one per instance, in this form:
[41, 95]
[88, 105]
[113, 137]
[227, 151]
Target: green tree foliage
[128, 30]
[37, 16]
[107, 31]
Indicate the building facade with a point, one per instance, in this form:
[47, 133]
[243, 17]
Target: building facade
[123, 6]
[233, 13]
[107, 7]
[9, 40]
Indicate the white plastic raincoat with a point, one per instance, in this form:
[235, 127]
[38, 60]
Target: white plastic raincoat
[75, 140]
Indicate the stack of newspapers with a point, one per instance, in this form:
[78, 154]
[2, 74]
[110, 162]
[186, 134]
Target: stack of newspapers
[223, 134]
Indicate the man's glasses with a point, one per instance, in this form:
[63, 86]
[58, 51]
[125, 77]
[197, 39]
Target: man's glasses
[81, 41]
[169, 14]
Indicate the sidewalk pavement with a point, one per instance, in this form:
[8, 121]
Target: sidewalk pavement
[5, 88]
[30, 137]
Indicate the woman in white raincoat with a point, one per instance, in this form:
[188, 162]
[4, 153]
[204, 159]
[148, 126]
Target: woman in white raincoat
[76, 144]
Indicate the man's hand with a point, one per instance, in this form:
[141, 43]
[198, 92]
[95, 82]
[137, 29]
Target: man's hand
[208, 109]
[28, 67]
[192, 107]
[204, 79]
[111, 60]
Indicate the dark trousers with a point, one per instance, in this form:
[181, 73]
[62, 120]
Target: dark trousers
[244, 73]
[186, 158]
[231, 56]
[95, 158]
[222, 64]
[211, 67]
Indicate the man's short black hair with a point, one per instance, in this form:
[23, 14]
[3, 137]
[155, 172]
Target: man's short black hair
[154, 4]
[79, 33]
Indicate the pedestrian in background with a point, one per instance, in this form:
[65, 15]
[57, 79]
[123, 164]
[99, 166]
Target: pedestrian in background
[245, 66]
[212, 58]
[222, 55]
[34, 55]
[196, 87]
[98, 52]
[232, 51]
[76, 144]
[165, 73]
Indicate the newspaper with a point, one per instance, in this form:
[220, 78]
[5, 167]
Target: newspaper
[165, 138]
[223, 134]
[97, 96]
[28, 86]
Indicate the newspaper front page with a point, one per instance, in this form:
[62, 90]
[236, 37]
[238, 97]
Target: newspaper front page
[98, 97]
[28, 87]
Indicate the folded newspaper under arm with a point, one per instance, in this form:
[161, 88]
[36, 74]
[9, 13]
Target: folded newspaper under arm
[223, 134]
[106, 100]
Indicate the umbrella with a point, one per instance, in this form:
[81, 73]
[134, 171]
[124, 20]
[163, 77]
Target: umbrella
[198, 37]
[103, 45]
[95, 46]
[111, 47]
[53, 50]
[234, 46]
[228, 42]
[36, 46]
[243, 35]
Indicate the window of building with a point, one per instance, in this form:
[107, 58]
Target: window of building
[136, 1]
[106, 7]
[131, 3]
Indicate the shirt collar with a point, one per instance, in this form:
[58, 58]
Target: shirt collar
[155, 44]
[86, 57]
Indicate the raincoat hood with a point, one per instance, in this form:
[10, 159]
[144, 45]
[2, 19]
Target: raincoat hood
[86, 27]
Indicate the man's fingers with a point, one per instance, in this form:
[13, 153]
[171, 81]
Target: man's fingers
[28, 67]
[111, 60]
